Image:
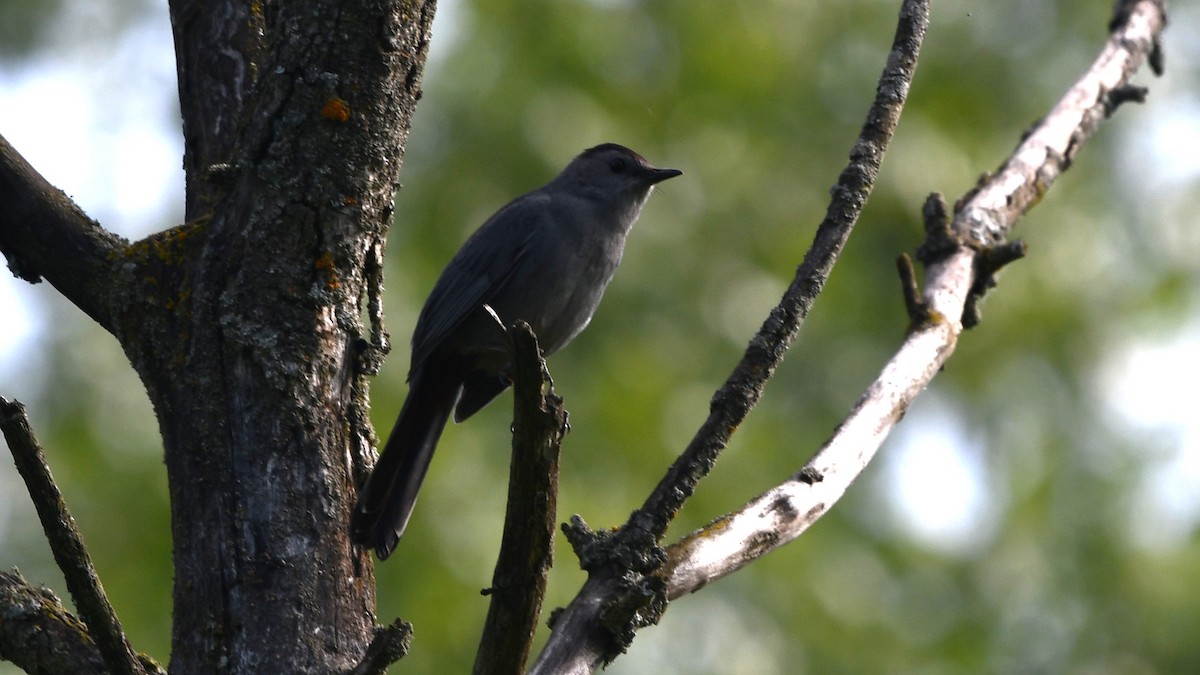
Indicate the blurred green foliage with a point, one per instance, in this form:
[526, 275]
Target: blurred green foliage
[758, 103]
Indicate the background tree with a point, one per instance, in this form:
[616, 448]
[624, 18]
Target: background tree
[1064, 508]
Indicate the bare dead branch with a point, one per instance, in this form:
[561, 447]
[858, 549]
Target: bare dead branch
[1051, 146]
[44, 234]
[526, 552]
[741, 391]
[984, 218]
[66, 542]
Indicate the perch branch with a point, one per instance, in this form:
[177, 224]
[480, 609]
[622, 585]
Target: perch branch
[526, 552]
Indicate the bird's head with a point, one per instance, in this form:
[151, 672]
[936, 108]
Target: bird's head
[613, 172]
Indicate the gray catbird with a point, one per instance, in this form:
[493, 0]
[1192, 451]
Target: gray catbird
[545, 258]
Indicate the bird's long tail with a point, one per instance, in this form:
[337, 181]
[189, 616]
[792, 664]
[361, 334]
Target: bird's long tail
[386, 501]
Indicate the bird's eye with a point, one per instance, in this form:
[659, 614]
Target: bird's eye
[618, 165]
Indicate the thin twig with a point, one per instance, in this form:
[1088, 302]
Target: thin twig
[67, 543]
[741, 392]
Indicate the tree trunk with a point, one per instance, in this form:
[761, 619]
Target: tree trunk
[247, 328]
[246, 323]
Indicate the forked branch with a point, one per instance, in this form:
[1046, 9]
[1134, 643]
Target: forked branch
[981, 223]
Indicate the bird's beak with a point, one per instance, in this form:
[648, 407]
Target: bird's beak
[659, 175]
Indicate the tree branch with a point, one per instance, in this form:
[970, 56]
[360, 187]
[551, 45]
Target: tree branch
[985, 215]
[526, 551]
[741, 392]
[39, 635]
[45, 234]
[623, 591]
[67, 543]
[390, 644]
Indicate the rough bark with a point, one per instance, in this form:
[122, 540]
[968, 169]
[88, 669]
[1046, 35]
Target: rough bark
[260, 399]
[39, 635]
[527, 549]
[245, 322]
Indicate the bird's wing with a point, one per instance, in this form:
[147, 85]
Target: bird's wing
[480, 267]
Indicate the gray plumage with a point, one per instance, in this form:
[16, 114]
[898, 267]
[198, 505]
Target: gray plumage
[545, 258]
